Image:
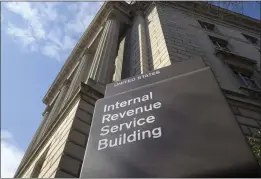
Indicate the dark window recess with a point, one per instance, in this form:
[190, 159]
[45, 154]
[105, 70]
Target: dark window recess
[246, 81]
[220, 44]
[251, 39]
[207, 26]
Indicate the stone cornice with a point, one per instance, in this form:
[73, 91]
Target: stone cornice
[116, 14]
[84, 43]
[248, 100]
[239, 58]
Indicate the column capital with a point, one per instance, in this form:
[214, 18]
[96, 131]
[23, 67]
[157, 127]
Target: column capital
[115, 14]
[112, 16]
[141, 5]
[87, 51]
[139, 13]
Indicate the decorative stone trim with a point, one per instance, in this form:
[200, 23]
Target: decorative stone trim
[242, 98]
[241, 58]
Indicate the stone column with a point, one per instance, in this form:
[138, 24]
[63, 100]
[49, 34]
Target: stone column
[57, 105]
[122, 56]
[79, 76]
[139, 57]
[102, 68]
[37, 136]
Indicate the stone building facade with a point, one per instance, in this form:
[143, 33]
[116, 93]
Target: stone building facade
[124, 40]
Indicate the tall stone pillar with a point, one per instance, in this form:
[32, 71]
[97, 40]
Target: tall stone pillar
[58, 104]
[80, 76]
[102, 68]
[121, 58]
[139, 47]
[37, 136]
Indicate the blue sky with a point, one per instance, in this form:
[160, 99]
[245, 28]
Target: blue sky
[36, 39]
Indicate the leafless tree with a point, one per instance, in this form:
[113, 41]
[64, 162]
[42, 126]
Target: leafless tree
[236, 6]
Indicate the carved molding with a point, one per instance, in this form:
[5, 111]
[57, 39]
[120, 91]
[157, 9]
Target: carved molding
[114, 13]
[242, 98]
[141, 5]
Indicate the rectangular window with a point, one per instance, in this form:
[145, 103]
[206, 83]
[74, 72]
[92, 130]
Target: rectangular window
[251, 39]
[220, 44]
[207, 26]
[246, 81]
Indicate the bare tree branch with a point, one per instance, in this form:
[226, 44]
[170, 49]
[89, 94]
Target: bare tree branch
[236, 6]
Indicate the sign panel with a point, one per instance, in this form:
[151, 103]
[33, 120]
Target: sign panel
[178, 127]
[153, 76]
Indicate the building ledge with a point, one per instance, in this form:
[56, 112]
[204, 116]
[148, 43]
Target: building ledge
[251, 92]
[234, 55]
[244, 98]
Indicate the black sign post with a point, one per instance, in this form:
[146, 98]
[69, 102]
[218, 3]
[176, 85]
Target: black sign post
[177, 127]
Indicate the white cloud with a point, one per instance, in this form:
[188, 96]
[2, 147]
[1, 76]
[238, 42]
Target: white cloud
[48, 10]
[68, 43]
[51, 51]
[101, 3]
[85, 12]
[48, 27]
[30, 14]
[11, 155]
[5, 135]
[54, 36]
[73, 7]
[22, 35]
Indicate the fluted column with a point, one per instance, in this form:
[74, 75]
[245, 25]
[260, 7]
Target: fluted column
[37, 136]
[57, 105]
[139, 57]
[80, 76]
[102, 68]
[120, 59]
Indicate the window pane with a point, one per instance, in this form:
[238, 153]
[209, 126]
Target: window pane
[252, 84]
[242, 82]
